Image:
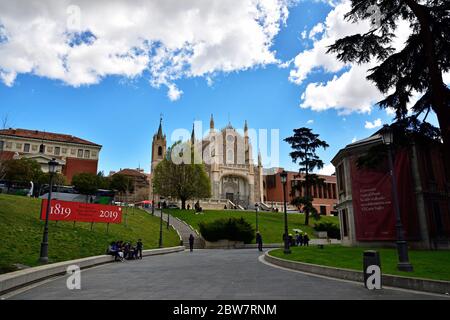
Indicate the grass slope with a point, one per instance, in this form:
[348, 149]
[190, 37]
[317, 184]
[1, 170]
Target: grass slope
[427, 264]
[21, 234]
[271, 225]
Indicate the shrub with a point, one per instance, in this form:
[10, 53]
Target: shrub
[231, 229]
[332, 229]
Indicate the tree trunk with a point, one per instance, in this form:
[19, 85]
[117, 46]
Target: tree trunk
[183, 204]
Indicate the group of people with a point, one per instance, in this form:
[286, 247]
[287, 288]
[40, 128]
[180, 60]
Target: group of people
[125, 250]
[299, 239]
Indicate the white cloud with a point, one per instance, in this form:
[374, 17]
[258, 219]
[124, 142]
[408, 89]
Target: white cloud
[174, 93]
[327, 170]
[374, 124]
[348, 90]
[317, 29]
[354, 139]
[164, 40]
[310, 121]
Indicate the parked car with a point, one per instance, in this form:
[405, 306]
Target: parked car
[173, 206]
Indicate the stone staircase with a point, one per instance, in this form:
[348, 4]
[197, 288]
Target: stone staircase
[183, 229]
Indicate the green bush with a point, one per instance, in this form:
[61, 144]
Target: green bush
[232, 229]
[332, 229]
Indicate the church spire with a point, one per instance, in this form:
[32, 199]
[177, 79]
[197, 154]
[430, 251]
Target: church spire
[193, 134]
[211, 123]
[160, 134]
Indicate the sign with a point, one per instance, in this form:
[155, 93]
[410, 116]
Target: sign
[373, 203]
[82, 212]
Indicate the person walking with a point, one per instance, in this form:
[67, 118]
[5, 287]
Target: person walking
[259, 241]
[306, 240]
[139, 246]
[191, 242]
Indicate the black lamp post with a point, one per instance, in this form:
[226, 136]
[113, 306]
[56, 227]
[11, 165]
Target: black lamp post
[283, 176]
[256, 210]
[43, 258]
[153, 202]
[161, 229]
[402, 247]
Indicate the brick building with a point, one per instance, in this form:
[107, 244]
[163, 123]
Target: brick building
[365, 205]
[74, 155]
[139, 188]
[325, 197]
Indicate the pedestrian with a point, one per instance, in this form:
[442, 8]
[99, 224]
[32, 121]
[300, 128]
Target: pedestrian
[297, 238]
[191, 242]
[306, 240]
[189, 206]
[259, 241]
[139, 246]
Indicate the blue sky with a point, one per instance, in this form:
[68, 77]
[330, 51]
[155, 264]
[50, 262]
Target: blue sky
[122, 113]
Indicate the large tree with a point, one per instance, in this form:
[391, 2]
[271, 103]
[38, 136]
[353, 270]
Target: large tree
[304, 144]
[418, 66]
[21, 170]
[85, 183]
[183, 181]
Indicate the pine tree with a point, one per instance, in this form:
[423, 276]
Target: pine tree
[305, 143]
[419, 66]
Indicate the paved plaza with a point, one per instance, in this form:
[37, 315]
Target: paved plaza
[205, 274]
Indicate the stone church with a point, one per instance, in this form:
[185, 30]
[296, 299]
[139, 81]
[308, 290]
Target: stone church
[227, 155]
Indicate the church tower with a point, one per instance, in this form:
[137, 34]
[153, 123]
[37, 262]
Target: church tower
[158, 146]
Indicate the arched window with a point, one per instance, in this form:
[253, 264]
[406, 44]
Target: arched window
[41, 148]
[160, 151]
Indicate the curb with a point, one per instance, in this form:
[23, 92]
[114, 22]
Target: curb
[416, 284]
[15, 280]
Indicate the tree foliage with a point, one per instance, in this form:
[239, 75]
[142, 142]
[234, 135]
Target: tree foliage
[304, 144]
[85, 183]
[21, 170]
[419, 66]
[181, 181]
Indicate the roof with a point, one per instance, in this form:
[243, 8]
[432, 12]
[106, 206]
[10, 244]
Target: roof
[131, 172]
[48, 136]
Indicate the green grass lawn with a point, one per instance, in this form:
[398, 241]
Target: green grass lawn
[427, 264]
[21, 234]
[271, 225]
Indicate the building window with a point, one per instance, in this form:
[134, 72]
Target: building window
[41, 148]
[159, 151]
[87, 154]
[34, 147]
[19, 146]
[8, 145]
[72, 151]
[50, 149]
[230, 156]
[344, 222]
[64, 150]
[1, 145]
[57, 151]
[80, 153]
[340, 177]
[26, 147]
[94, 154]
[323, 210]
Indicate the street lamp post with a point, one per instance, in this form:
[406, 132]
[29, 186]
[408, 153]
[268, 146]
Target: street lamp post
[43, 257]
[153, 202]
[402, 247]
[256, 209]
[161, 229]
[283, 176]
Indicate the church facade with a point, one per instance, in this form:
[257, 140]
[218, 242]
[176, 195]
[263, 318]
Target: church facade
[227, 156]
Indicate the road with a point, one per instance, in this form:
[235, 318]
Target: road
[205, 274]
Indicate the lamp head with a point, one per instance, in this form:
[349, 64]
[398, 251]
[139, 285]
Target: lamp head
[387, 135]
[52, 165]
[283, 176]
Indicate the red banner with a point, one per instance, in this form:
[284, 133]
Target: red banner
[83, 212]
[372, 200]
